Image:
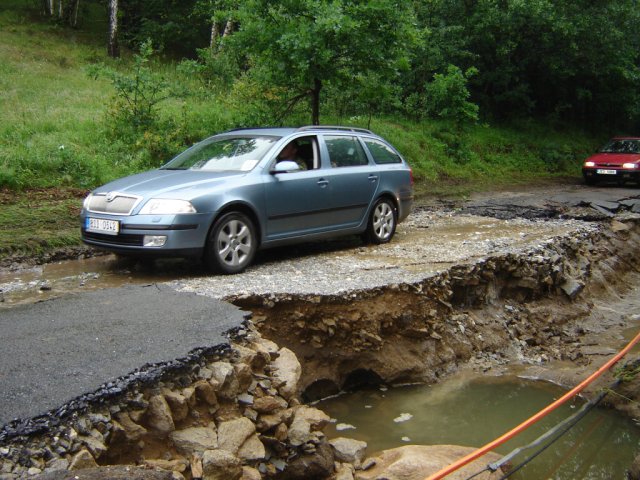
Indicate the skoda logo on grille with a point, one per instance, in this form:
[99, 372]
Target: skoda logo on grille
[111, 196]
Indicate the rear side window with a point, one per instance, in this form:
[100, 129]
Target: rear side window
[381, 152]
[345, 151]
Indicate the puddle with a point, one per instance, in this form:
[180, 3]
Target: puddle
[473, 412]
[107, 271]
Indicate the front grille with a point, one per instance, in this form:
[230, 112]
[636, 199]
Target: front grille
[120, 203]
[127, 240]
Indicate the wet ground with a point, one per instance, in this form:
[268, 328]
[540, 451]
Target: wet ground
[437, 235]
[428, 242]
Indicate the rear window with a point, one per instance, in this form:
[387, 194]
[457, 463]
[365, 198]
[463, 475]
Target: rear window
[381, 152]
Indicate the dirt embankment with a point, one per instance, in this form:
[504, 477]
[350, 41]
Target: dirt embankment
[529, 307]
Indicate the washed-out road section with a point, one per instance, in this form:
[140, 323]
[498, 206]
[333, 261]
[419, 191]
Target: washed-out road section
[60, 349]
[65, 348]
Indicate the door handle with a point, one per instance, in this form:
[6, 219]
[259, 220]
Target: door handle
[323, 183]
[373, 178]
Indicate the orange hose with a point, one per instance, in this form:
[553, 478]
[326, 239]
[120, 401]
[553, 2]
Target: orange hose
[541, 414]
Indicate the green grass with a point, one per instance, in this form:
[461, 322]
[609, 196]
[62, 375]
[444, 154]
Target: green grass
[39, 221]
[55, 132]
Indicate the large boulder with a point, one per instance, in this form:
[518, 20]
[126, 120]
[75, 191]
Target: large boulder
[221, 465]
[417, 462]
[348, 450]
[306, 421]
[233, 434]
[158, 416]
[286, 370]
[195, 439]
[318, 465]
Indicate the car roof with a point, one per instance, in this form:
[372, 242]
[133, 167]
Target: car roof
[284, 131]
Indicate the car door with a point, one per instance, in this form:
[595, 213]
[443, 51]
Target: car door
[299, 203]
[353, 180]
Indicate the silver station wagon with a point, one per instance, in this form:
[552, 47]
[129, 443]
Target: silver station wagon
[234, 193]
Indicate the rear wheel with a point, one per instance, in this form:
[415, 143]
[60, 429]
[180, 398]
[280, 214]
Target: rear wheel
[232, 244]
[382, 222]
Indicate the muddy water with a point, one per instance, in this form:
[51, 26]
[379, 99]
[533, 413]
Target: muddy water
[473, 412]
[55, 279]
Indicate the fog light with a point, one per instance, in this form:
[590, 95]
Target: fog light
[154, 240]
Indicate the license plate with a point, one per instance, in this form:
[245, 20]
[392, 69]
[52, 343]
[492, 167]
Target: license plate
[100, 225]
[606, 172]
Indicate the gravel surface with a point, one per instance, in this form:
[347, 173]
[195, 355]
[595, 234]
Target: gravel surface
[428, 242]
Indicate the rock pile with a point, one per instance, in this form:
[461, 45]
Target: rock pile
[235, 417]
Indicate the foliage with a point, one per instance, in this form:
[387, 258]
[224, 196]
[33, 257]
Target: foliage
[137, 93]
[295, 49]
[48, 103]
[448, 97]
[175, 26]
[568, 60]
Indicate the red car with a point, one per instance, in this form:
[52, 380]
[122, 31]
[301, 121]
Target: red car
[618, 161]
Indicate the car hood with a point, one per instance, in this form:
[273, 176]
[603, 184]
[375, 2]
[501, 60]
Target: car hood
[614, 158]
[182, 184]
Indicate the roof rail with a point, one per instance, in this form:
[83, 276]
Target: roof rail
[334, 127]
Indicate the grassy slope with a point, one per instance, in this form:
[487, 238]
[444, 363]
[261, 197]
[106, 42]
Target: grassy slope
[54, 135]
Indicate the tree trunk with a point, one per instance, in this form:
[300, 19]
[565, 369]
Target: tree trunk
[315, 102]
[215, 32]
[113, 49]
[48, 7]
[74, 18]
[228, 28]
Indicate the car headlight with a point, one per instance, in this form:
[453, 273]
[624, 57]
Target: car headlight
[630, 166]
[589, 164]
[87, 201]
[164, 206]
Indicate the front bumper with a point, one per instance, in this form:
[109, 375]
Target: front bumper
[186, 235]
[613, 175]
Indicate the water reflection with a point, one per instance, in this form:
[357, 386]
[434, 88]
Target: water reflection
[474, 412]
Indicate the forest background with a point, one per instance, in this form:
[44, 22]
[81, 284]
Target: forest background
[475, 94]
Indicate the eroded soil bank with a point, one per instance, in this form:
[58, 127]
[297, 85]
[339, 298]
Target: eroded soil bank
[239, 412]
[528, 307]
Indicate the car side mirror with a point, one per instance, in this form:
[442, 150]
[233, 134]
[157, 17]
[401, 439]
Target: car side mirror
[286, 166]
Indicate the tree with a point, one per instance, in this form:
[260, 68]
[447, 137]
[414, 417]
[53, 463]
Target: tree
[66, 12]
[113, 48]
[294, 48]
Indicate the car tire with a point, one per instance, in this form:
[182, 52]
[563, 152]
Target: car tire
[232, 244]
[382, 222]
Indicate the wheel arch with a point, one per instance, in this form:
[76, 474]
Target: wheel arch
[387, 196]
[245, 209]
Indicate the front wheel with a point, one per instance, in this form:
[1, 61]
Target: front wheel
[382, 222]
[232, 244]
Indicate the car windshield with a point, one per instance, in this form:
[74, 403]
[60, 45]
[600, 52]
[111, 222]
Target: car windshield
[622, 146]
[223, 153]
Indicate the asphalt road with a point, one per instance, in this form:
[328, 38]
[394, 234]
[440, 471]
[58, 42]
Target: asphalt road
[56, 350]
